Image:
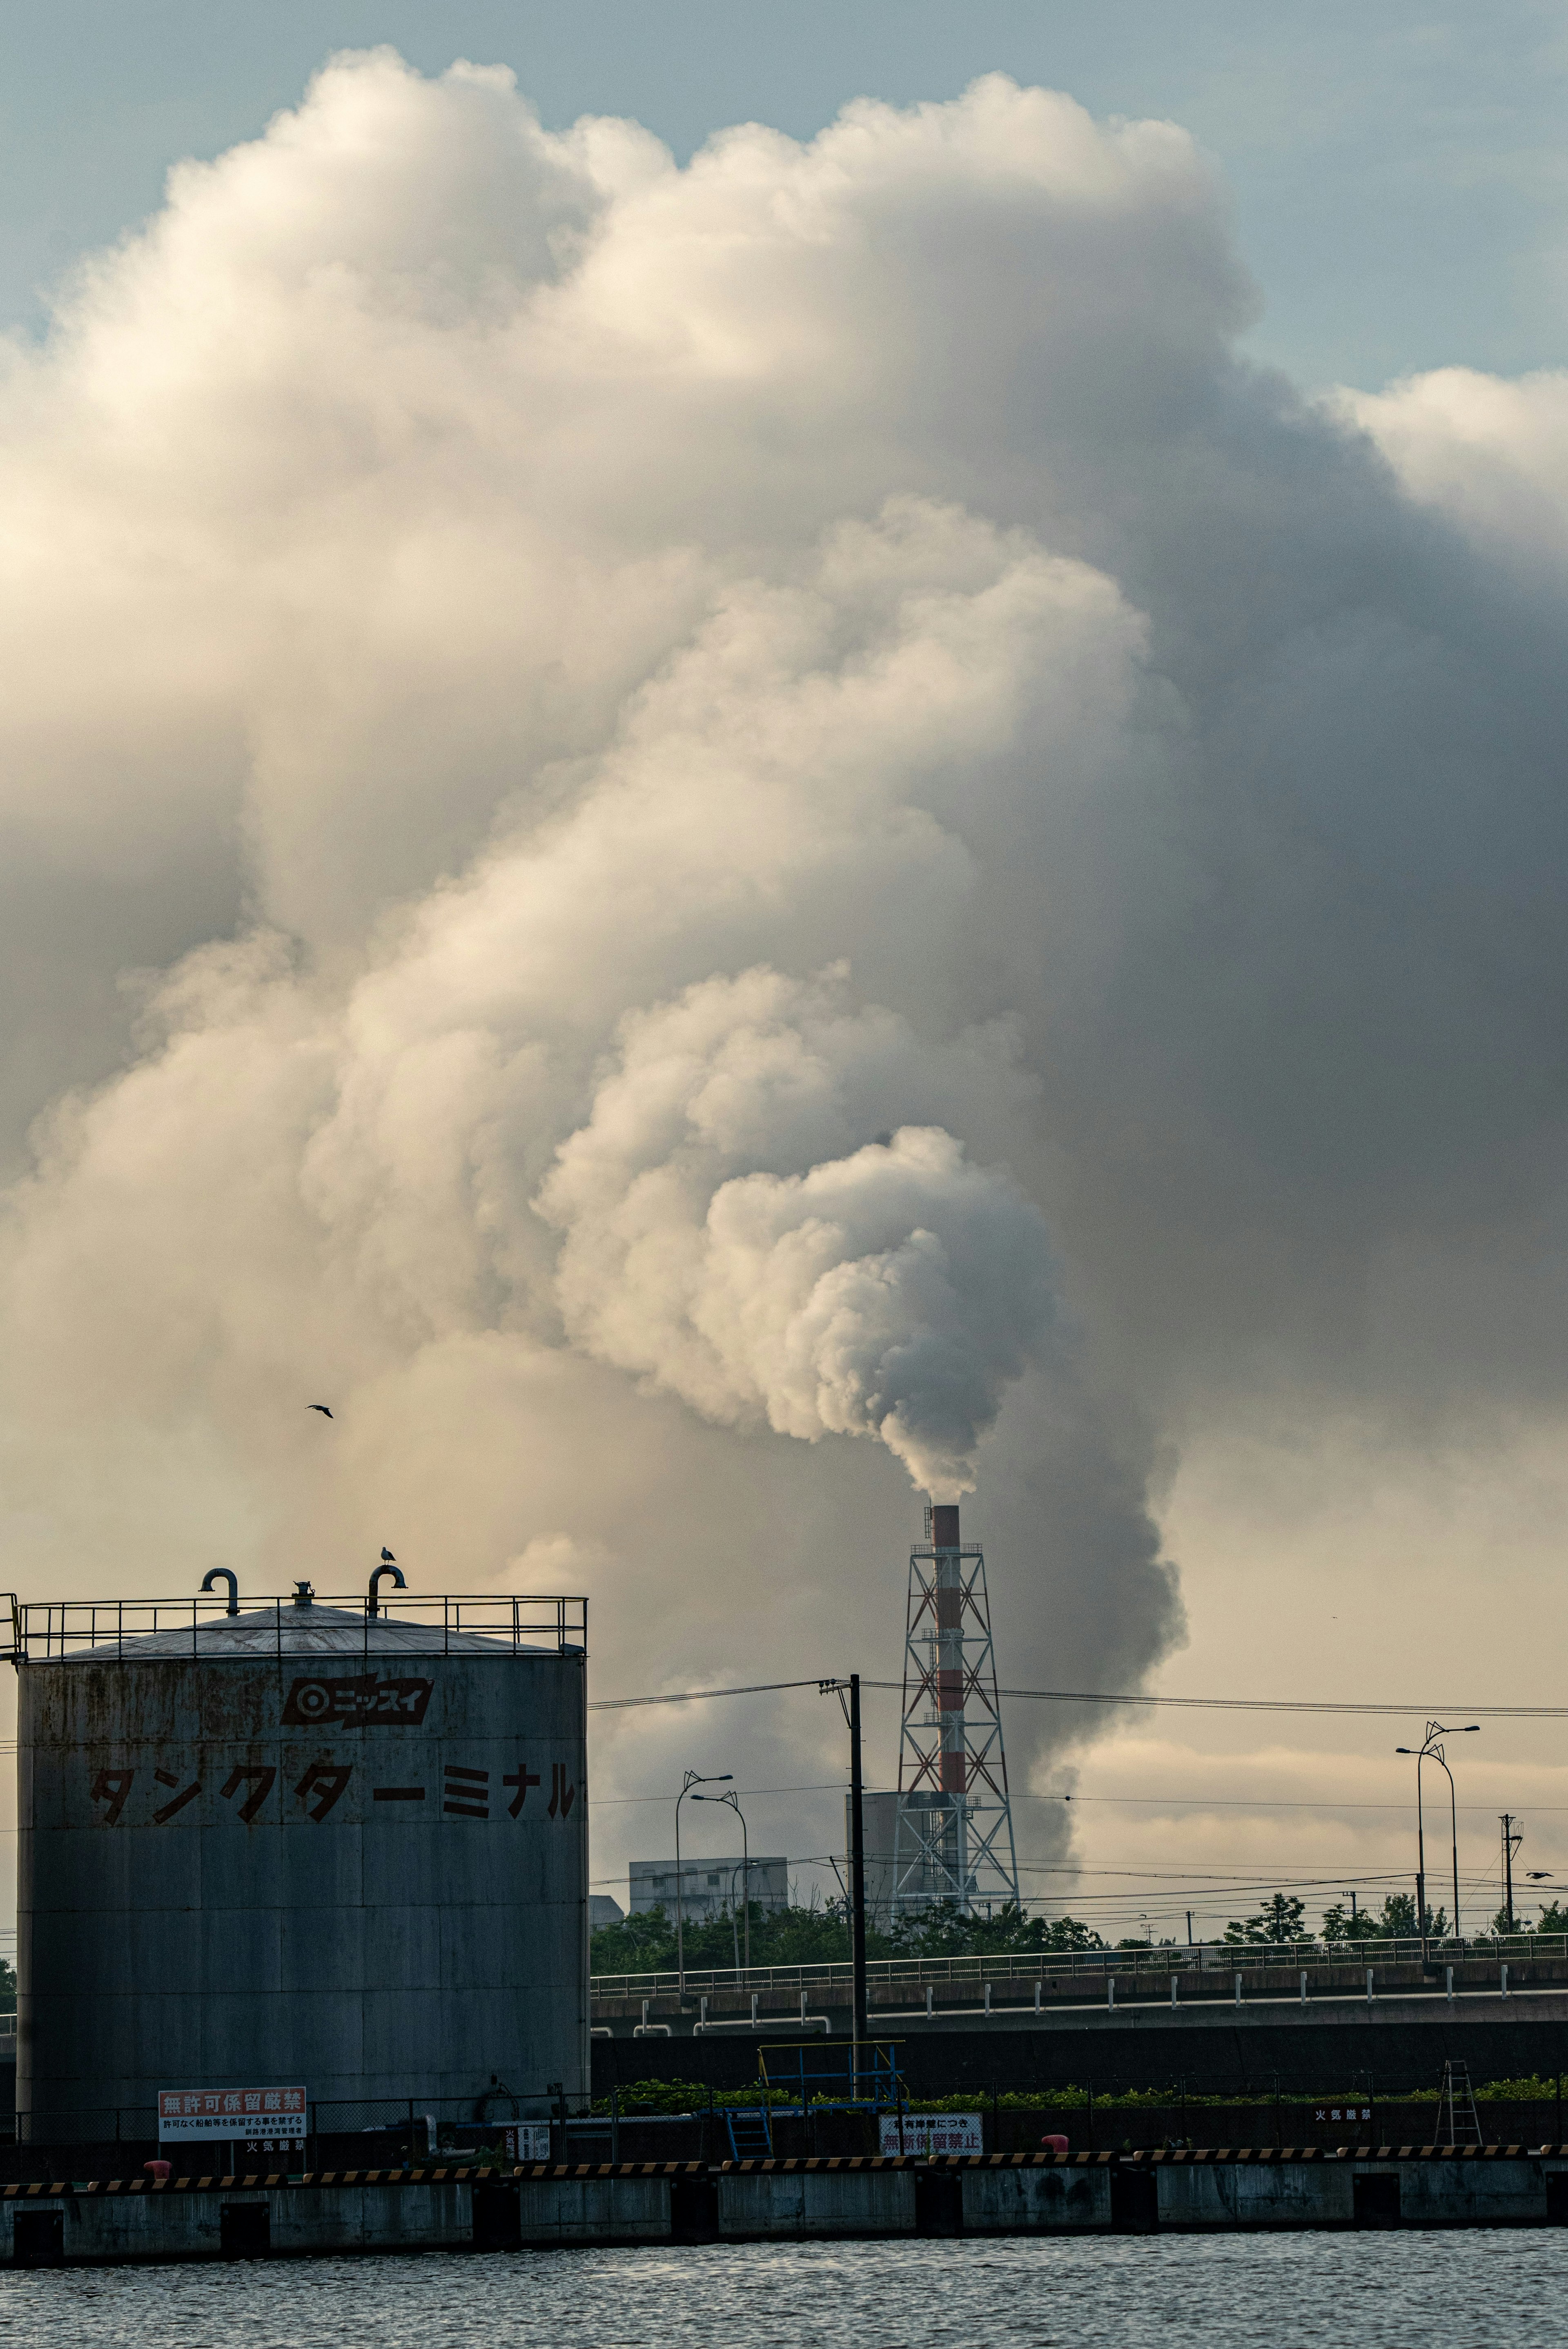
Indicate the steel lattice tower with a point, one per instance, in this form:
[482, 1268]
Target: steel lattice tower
[954, 1831]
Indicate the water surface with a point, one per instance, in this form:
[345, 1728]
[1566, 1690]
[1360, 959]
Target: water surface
[1470, 2290]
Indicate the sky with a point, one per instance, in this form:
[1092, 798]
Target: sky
[753, 767]
[1398, 174]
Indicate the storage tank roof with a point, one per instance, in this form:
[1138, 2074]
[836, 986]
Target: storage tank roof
[307, 1631]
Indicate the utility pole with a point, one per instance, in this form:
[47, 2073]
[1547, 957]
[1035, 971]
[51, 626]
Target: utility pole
[857, 1868]
[1511, 1843]
[851, 1712]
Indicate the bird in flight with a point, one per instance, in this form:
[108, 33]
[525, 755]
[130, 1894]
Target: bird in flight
[387, 1556]
[321, 1407]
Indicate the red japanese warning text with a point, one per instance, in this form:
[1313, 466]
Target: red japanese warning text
[207, 2113]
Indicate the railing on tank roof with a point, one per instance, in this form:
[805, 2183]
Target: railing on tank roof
[46, 1629]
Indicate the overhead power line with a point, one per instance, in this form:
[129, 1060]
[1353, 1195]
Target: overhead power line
[1104, 1696]
[1278, 1704]
[1326, 1804]
[1216, 1878]
[693, 1696]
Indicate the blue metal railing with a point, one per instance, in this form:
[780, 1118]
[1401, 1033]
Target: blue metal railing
[840, 2076]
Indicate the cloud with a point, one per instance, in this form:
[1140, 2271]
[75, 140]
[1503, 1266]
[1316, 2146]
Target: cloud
[649, 813]
[1491, 455]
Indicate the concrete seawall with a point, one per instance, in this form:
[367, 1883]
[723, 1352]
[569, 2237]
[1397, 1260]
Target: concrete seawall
[117, 2220]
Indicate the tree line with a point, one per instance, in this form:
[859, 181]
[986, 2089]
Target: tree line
[820, 1934]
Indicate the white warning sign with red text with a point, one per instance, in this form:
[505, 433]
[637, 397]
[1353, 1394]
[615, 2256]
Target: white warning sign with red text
[929, 2133]
[188, 2114]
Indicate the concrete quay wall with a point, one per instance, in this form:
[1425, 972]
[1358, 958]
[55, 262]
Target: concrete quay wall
[1443, 2187]
[538, 2207]
[810, 2198]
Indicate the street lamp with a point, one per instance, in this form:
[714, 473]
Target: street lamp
[693, 1778]
[1430, 1750]
[733, 1802]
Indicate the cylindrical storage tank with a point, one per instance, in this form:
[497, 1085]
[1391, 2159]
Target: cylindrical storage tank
[303, 1845]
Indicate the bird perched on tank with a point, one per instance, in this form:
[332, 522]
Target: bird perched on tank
[387, 1556]
[321, 1407]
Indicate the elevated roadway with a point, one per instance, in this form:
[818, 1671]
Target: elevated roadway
[1224, 2027]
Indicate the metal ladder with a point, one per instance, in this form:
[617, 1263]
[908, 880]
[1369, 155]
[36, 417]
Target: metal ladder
[1457, 2120]
[750, 2132]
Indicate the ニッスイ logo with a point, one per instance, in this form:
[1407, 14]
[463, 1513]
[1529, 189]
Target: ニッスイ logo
[329, 1703]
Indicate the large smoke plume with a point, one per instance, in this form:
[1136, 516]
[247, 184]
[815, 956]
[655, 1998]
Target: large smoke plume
[653, 812]
[890, 1292]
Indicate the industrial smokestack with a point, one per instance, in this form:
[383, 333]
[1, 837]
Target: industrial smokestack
[953, 1835]
[949, 1597]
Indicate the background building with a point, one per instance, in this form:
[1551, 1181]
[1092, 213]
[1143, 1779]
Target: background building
[708, 1887]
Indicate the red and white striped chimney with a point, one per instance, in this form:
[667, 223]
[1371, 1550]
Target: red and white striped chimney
[950, 1647]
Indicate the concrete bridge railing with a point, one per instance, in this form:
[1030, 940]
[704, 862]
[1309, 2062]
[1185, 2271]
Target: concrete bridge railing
[1076, 1968]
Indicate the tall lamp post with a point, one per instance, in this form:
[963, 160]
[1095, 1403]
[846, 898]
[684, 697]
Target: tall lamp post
[734, 1920]
[1430, 1750]
[693, 1778]
[1441, 1759]
[732, 1802]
